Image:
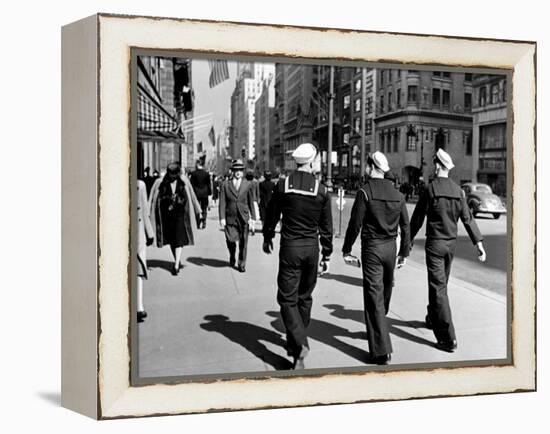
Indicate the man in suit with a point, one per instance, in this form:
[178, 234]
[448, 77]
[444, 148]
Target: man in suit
[237, 213]
[266, 191]
[200, 180]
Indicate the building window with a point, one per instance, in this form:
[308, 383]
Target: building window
[413, 71]
[398, 97]
[389, 101]
[482, 96]
[369, 104]
[467, 101]
[347, 100]
[411, 139]
[382, 77]
[368, 126]
[358, 85]
[437, 74]
[494, 93]
[381, 103]
[399, 74]
[446, 74]
[357, 125]
[357, 105]
[396, 141]
[504, 91]
[382, 141]
[436, 97]
[468, 143]
[468, 76]
[346, 138]
[446, 98]
[412, 94]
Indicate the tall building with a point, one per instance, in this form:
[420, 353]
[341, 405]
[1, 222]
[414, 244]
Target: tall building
[489, 131]
[294, 113]
[165, 101]
[264, 117]
[248, 88]
[418, 112]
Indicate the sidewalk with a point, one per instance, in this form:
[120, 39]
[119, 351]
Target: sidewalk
[212, 319]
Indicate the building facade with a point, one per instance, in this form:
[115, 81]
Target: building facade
[264, 116]
[419, 112]
[165, 102]
[490, 131]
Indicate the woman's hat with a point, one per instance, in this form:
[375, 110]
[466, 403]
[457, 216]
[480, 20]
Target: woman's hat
[237, 165]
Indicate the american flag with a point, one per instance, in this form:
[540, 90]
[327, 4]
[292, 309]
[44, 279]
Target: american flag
[219, 72]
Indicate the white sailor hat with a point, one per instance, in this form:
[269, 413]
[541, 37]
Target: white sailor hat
[380, 161]
[444, 158]
[305, 153]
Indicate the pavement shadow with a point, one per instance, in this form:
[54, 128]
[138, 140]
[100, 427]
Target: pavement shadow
[344, 278]
[328, 334]
[159, 263]
[249, 336]
[208, 262]
[395, 324]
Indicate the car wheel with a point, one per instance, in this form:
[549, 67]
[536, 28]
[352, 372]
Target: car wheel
[496, 215]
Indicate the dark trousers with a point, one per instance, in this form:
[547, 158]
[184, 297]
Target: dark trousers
[296, 280]
[237, 234]
[439, 258]
[378, 266]
[203, 201]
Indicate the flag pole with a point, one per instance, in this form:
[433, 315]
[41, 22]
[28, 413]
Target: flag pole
[330, 118]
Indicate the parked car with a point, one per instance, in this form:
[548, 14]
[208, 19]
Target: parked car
[481, 199]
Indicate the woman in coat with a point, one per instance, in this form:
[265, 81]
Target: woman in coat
[174, 212]
[145, 238]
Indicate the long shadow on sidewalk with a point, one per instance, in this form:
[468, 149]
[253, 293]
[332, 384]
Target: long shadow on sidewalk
[327, 334]
[349, 280]
[208, 262]
[249, 336]
[358, 315]
[159, 263]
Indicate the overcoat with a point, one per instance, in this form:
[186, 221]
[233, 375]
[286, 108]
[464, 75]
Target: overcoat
[145, 228]
[191, 206]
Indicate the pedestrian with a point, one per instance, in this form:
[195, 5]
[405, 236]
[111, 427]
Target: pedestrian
[200, 179]
[146, 237]
[266, 191]
[378, 211]
[215, 189]
[148, 180]
[443, 203]
[304, 203]
[256, 189]
[173, 204]
[237, 213]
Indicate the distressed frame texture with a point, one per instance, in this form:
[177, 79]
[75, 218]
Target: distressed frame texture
[96, 236]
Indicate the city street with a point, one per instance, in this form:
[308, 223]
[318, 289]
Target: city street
[211, 319]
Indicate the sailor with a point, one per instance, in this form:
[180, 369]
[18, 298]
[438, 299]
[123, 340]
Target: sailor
[305, 207]
[379, 209]
[443, 203]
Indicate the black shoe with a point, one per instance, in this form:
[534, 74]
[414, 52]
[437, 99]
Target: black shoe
[384, 359]
[299, 360]
[241, 268]
[176, 269]
[428, 322]
[449, 346]
[141, 315]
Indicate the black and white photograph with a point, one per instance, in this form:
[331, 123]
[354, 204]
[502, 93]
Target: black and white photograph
[297, 217]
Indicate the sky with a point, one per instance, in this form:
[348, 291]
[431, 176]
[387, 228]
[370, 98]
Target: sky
[216, 100]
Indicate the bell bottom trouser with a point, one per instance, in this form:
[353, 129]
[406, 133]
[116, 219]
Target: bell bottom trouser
[378, 268]
[439, 258]
[296, 280]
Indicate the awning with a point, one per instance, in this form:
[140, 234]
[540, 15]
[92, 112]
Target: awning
[153, 121]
